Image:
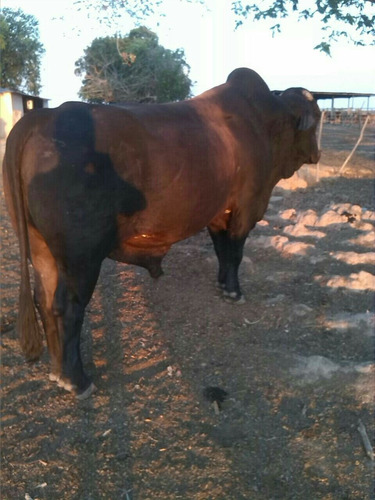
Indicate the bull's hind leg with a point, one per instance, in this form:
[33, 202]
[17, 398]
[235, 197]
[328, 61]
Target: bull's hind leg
[46, 277]
[74, 290]
[61, 303]
[44, 294]
[229, 252]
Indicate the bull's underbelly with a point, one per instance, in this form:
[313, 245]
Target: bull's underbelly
[149, 258]
[145, 250]
[145, 239]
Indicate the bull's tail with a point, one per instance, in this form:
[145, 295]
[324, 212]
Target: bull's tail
[27, 324]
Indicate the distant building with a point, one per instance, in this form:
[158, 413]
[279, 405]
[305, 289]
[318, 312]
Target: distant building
[13, 105]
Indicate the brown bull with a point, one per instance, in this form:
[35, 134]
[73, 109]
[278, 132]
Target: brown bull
[84, 182]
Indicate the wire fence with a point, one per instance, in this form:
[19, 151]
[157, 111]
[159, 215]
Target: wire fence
[348, 117]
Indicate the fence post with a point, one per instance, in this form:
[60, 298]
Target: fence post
[355, 147]
[319, 142]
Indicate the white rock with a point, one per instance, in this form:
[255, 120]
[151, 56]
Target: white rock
[279, 242]
[300, 230]
[282, 244]
[356, 281]
[307, 218]
[367, 239]
[330, 217]
[363, 226]
[367, 368]
[268, 241]
[355, 258]
[288, 214]
[364, 323]
[355, 209]
[297, 248]
[341, 207]
[293, 182]
[368, 215]
[314, 367]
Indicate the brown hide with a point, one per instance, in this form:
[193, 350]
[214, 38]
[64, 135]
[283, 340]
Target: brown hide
[209, 161]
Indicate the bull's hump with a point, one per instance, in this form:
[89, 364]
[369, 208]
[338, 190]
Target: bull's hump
[247, 81]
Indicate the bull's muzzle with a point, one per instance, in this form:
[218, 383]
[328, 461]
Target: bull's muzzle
[315, 156]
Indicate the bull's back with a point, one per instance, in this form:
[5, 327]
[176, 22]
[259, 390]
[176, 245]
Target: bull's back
[183, 161]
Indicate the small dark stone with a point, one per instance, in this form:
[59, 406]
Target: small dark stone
[213, 394]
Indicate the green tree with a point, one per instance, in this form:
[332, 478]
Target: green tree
[353, 19]
[21, 51]
[134, 68]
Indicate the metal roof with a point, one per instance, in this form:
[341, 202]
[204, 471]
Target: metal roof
[319, 95]
[340, 95]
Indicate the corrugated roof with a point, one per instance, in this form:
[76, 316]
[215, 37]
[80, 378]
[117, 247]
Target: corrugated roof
[340, 95]
[319, 95]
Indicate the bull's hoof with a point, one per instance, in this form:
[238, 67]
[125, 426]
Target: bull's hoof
[234, 298]
[65, 384]
[68, 386]
[54, 377]
[87, 393]
[61, 382]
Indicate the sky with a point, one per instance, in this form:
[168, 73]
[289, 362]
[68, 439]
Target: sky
[213, 48]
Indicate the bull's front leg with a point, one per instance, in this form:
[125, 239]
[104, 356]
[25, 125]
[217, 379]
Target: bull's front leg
[229, 251]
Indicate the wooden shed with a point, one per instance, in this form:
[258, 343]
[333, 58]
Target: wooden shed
[13, 105]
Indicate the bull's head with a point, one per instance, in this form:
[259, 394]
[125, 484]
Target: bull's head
[306, 113]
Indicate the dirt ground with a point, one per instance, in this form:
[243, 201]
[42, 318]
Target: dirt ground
[296, 361]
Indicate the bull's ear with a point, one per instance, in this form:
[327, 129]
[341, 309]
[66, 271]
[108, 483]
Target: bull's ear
[307, 95]
[306, 121]
[302, 105]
